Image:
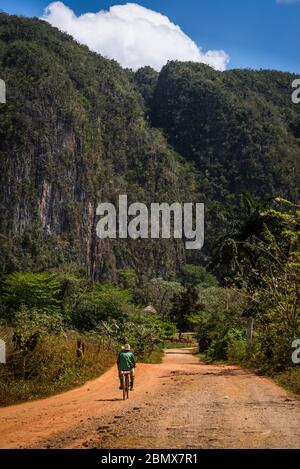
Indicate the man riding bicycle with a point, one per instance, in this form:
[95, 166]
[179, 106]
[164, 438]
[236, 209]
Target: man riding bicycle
[126, 362]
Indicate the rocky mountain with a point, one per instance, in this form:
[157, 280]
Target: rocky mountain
[239, 128]
[78, 129]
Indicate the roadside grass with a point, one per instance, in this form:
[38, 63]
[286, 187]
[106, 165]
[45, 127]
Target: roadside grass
[203, 358]
[200, 356]
[53, 367]
[289, 380]
[16, 391]
[155, 357]
[177, 344]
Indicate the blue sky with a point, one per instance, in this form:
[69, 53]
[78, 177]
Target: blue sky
[254, 33]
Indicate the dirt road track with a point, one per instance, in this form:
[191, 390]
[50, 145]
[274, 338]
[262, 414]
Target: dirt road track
[179, 404]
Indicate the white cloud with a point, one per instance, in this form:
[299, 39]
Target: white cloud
[133, 35]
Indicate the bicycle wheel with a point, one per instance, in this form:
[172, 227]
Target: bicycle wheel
[124, 386]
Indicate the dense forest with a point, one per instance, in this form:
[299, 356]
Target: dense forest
[73, 134]
[76, 130]
[238, 128]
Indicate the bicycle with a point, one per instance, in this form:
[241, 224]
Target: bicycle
[125, 384]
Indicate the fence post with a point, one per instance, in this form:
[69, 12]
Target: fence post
[2, 352]
[250, 324]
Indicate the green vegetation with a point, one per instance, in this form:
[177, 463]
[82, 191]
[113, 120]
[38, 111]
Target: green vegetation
[52, 365]
[32, 290]
[219, 321]
[290, 379]
[75, 133]
[196, 275]
[185, 305]
[238, 128]
[259, 261]
[61, 330]
[77, 130]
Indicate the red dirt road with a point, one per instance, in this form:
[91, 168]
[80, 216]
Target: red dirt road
[179, 404]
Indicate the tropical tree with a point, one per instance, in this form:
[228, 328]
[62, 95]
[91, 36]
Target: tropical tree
[160, 293]
[185, 304]
[191, 274]
[33, 290]
[261, 257]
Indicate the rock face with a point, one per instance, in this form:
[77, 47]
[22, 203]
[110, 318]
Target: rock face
[77, 130]
[72, 134]
[239, 127]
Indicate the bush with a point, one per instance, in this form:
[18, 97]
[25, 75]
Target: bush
[271, 351]
[44, 356]
[290, 379]
[220, 322]
[103, 303]
[197, 275]
[145, 334]
[52, 366]
[237, 350]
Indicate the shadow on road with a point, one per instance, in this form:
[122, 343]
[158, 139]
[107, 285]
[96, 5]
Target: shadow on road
[109, 400]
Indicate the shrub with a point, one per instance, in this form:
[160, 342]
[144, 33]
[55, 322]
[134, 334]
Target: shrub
[237, 349]
[53, 366]
[103, 303]
[197, 275]
[290, 379]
